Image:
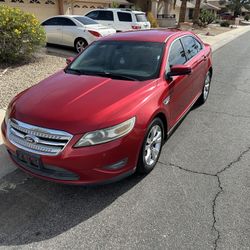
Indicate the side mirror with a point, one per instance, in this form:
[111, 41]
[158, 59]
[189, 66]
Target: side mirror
[178, 70]
[69, 60]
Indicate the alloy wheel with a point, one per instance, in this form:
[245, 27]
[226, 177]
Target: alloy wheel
[153, 145]
[80, 45]
[206, 86]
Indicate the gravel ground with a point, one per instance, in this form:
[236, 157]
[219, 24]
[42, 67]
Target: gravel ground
[15, 80]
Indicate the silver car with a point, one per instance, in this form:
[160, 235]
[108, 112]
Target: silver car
[74, 31]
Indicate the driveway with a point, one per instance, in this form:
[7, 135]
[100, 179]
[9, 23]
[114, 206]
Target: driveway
[196, 198]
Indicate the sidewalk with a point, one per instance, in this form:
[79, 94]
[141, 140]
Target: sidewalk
[220, 40]
[6, 166]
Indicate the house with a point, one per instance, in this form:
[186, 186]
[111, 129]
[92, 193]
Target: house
[43, 9]
[161, 10]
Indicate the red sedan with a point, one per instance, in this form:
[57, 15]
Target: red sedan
[107, 114]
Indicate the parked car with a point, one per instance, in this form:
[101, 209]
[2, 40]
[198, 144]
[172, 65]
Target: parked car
[107, 114]
[120, 19]
[226, 16]
[74, 31]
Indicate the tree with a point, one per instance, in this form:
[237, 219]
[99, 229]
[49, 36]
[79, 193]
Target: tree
[236, 6]
[196, 12]
[183, 9]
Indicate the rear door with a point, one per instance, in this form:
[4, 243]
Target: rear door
[69, 32]
[53, 28]
[125, 21]
[196, 60]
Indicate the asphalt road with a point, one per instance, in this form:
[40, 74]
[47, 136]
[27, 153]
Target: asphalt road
[198, 196]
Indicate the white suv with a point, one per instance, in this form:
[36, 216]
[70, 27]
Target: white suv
[120, 19]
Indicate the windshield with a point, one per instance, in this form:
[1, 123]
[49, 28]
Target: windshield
[85, 20]
[141, 18]
[131, 60]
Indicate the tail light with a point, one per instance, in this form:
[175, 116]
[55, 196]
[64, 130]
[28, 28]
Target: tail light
[95, 33]
[136, 27]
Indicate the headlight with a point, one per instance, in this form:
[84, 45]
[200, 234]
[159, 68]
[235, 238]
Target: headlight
[107, 134]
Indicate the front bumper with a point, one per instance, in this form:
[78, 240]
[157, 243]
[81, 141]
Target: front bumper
[88, 165]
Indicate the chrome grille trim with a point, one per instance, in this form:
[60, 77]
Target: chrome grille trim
[48, 141]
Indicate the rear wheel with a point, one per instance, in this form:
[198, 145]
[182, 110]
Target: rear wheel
[80, 45]
[151, 147]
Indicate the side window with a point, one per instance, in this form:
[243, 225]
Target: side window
[106, 15]
[124, 17]
[191, 46]
[198, 45]
[66, 22]
[93, 15]
[176, 54]
[50, 22]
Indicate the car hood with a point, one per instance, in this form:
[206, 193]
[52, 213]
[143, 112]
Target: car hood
[80, 103]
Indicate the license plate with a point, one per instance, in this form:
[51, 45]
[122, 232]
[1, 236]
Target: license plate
[30, 160]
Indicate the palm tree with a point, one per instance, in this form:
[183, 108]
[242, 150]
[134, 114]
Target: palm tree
[183, 9]
[196, 12]
[236, 6]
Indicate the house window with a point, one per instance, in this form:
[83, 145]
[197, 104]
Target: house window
[16, 1]
[76, 6]
[92, 7]
[49, 2]
[85, 6]
[35, 1]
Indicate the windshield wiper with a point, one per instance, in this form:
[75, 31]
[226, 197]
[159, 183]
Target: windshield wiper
[115, 75]
[70, 70]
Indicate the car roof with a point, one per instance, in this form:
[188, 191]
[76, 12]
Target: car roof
[121, 9]
[69, 16]
[150, 35]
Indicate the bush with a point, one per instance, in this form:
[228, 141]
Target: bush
[152, 20]
[224, 24]
[206, 17]
[247, 18]
[21, 35]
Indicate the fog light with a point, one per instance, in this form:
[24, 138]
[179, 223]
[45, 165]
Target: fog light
[117, 165]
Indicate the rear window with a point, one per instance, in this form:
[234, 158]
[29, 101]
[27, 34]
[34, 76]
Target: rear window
[141, 18]
[85, 20]
[124, 17]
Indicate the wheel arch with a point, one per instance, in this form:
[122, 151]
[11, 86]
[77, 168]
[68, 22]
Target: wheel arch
[163, 118]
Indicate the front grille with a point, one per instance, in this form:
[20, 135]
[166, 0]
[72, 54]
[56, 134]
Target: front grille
[35, 139]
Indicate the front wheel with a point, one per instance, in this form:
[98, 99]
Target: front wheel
[151, 147]
[206, 89]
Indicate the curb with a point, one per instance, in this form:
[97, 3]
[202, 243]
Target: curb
[6, 165]
[221, 40]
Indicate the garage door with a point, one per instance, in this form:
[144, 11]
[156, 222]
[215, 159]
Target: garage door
[82, 8]
[42, 9]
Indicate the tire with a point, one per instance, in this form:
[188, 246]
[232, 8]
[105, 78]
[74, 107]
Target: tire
[150, 151]
[206, 89]
[80, 45]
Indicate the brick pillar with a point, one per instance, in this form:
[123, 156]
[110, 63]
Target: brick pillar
[60, 7]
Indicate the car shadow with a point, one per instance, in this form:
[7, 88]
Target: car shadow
[60, 51]
[33, 210]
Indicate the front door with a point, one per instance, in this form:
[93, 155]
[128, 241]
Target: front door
[180, 87]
